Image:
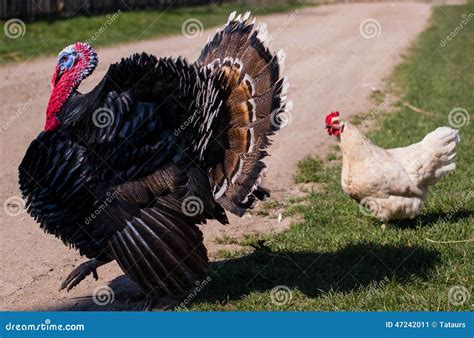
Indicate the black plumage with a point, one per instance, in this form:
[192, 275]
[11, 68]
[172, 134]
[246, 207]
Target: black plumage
[175, 134]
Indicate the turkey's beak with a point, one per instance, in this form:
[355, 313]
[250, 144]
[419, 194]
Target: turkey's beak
[56, 76]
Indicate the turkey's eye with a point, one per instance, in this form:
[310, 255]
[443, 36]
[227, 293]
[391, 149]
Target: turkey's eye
[64, 58]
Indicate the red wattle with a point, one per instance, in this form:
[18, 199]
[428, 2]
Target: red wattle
[59, 95]
[51, 123]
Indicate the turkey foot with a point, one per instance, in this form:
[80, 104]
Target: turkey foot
[81, 272]
[161, 303]
[150, 302]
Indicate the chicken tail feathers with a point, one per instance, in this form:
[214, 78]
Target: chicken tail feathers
[441, 145]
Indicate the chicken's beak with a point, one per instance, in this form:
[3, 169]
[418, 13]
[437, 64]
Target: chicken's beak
[335, 128]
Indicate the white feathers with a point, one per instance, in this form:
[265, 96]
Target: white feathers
[445, 170]
[252, 140]
[252, 111]
[238, 63]
[441, 144]
[242, 19]
[288, 106]
[222, 190]
[230, 61]
[262, 34]
[441, 137]
[281, 55]
[249, 81]
[238, 172]
[252, 189]
[285, 86]
[231, 17]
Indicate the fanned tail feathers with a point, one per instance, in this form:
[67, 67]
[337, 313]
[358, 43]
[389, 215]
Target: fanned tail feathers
[248, 94]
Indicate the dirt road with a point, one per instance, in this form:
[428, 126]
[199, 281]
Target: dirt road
[336, 55]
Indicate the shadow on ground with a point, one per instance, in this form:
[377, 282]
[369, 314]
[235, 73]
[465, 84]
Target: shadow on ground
[429, 219]
[348, 269]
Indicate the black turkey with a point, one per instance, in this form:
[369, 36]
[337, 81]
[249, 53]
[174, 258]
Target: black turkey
[127, 171]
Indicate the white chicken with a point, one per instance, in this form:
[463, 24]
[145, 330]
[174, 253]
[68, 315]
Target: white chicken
[392, 183]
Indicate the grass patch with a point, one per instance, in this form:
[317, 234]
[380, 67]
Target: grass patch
[48, 37]
[229, 254]
[310, 170]
[272, 207]
[338, 259]
[226, 239]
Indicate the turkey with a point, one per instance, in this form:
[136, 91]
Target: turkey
[127, 171]
[392, 183]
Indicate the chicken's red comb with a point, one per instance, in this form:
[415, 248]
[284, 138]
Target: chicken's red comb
[330, 116]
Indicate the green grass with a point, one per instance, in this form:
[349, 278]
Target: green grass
[46, 37]
[335, 258]
[226, 239]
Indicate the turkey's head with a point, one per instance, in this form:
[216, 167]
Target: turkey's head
[334, 126]
[75, 63]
